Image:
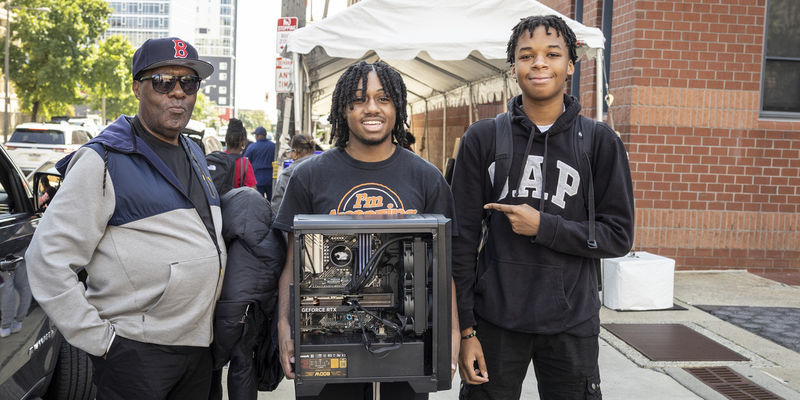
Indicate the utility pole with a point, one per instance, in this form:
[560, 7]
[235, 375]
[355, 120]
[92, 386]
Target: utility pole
[285, 101]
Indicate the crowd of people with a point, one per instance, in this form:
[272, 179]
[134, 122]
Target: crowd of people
[182, 275]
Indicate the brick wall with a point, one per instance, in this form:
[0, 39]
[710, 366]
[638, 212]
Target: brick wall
[429, 145]
[716, 186]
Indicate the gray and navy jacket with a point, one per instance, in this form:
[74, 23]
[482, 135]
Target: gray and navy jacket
[154, 270]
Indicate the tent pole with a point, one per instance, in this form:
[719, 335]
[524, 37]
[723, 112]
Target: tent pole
[299, 98]
[426, 143]
[505, 93]
[444, 133]
[471, 106]
[411, 119]
[598, 61]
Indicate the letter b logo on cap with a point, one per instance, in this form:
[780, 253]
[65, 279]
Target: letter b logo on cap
[180, 49]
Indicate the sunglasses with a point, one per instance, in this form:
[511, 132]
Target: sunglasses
[164, 83]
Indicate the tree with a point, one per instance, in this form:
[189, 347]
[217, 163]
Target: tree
[108, 77]
[254, 118]
[205, 111]
[49, 50]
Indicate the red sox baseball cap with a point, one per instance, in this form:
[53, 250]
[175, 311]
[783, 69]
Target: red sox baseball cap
[156, 53]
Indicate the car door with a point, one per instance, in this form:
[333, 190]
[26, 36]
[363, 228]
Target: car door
[28, 346]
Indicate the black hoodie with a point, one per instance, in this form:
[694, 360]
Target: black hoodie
[544, 284]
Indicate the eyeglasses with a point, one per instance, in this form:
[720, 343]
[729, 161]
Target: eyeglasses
[164, 83]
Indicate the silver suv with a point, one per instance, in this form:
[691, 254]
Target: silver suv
[31, 144]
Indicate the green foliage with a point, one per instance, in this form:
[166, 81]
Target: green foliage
[108, 76]
[50, 49]
[254, 118]
[206, 111]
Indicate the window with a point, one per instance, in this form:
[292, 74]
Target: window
[223, 90]
[223, 76]
[40, 136]
[79, 137]
[223, 66]
[780, 89]
[222, 101]
[6, 200]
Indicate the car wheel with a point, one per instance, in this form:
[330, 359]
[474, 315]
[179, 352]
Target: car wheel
[72, 378]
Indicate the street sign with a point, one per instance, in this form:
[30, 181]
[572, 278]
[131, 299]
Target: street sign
[285, 26]
[283, 75]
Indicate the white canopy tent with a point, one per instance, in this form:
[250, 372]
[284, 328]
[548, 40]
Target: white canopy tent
[449, 52]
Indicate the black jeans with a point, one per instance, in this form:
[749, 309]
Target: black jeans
[565, 365]
[146, 371]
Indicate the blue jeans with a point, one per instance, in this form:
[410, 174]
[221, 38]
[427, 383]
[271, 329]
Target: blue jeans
[565, 365]
[15, 296]
[265, 190]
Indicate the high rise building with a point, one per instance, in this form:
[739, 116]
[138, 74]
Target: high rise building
[210, 25]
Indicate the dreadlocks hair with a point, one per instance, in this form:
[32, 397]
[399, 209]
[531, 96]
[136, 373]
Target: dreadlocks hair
[236, 135]
[548, 21]
[354, 79]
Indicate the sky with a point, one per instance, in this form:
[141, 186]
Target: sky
[256, 50]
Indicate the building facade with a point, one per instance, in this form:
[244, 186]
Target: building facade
[707, 102]
[210, 25]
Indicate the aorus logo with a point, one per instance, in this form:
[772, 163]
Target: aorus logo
[371, 198]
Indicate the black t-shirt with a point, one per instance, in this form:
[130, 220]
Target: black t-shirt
[181, 165]
[335, 183]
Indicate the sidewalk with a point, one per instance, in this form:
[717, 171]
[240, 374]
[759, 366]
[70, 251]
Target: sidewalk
[627, 374]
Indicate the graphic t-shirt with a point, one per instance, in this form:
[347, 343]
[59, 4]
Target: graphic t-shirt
[335, 183]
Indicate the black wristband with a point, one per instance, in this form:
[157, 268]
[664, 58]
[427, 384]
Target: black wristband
[471, 335]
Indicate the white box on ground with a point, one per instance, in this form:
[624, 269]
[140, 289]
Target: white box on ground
[638, 281]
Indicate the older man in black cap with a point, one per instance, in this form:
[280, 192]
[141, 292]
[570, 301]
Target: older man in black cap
[138, 211]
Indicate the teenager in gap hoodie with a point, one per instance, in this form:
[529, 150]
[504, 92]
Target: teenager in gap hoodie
[532, 294]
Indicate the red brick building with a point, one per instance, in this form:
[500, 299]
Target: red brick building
[707, 101]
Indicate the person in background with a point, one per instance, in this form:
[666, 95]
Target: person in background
[137, 211]
[261, 154]
[235, 142]
[15, 299]
[302, 149]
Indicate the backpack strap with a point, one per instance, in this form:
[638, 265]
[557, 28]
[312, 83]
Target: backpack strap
[585, 137]
[242, 171]
[503, 151]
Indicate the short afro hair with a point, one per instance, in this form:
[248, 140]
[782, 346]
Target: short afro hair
[547, 21]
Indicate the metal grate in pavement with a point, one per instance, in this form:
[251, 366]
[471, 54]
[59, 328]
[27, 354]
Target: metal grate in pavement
[672, 342]
[731, 385]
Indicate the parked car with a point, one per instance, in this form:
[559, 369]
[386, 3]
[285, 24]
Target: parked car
[32, 143]
[35, 360]
[90, 124]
